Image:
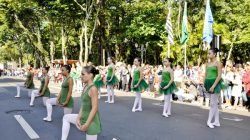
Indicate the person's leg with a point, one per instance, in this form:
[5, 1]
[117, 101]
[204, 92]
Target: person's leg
[169, 104]
[67, 110]
[213, 109]
[18, 86]
[164, 113]
[236, 100]
[112, 95]
[136, 101]
[139, 102]
[67, 119]
[34, 94]
[44, 100]
[108, 93]
[49, 104]
[91, 137]
[99, 93]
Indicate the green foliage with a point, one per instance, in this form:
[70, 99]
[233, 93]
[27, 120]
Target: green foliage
[121, 24]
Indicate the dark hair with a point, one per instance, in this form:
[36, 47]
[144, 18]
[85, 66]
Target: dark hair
[214, 50]
[67, 67]
[112, 59]
[31, 65]
[139, 59]
[170, 60]
[46, 68]
[91, 69]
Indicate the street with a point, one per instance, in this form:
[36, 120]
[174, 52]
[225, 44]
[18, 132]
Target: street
[186, 122]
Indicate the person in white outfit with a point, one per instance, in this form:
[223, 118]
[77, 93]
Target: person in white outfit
[43, 90]
[237, 86]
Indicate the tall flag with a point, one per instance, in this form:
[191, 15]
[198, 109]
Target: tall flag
[184, 28]
[208, 24]
[169, 29]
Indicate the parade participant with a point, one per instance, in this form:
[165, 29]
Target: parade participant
[64, 98]
[44, 89]
[88, 119]
[138, 84]
[29, 84]
[167, 86]
[98, 83]
[111, 80]
[213, 85]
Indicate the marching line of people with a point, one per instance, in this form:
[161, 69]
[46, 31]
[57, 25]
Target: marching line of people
[88, 119]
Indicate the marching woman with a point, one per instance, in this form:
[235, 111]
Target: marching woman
[98, 83]
[167, 86]
[29, 84]
[213, 85]
[44, 89]
[138, 85]
[111, 80]
[88, 118]
[64, 99]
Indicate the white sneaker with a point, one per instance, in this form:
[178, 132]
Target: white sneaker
[216, 124]
[133, 110]
[107, 101]
[31, 105]
[47, 119]
[138, 110]
[17, 96]
[111, 102]
[164, 115]
[210, 125]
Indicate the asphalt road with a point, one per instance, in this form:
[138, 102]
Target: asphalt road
[186, 122]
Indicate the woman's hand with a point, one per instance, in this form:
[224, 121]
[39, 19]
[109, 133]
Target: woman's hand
[211, 90]
[78, 123]
[84, 128]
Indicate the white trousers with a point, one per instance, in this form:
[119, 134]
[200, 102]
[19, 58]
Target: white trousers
[214, 110]
[110, 92]
[167, 104]
[138, 101]
[18, 88]
[71, 118]
[53, 101]
[34, 94]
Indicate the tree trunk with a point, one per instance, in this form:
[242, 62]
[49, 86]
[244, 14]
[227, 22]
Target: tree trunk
[86, 54]
[81, 46]
[63, 45]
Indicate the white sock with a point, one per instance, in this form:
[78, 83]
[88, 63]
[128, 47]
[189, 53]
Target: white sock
[67, 119]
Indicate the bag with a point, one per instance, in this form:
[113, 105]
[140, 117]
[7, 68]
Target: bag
[244, 96]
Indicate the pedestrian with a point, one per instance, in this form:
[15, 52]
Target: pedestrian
[213, 85]
[44, 89]
[138, 85]
[111, 80]
[88, 118]
[64, 99]
[167, 86]
[98, 83]
[28, 84]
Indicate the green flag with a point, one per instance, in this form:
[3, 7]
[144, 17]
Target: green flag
[184, 30]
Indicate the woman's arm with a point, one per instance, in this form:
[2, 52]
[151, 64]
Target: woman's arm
[141, 77]
[171, 79]
[93, 93]
[219, 66]
[70, 81]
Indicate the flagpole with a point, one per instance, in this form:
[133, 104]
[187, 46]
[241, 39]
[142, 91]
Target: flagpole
[185, 59]
[168, 49]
